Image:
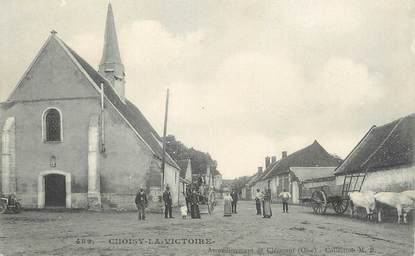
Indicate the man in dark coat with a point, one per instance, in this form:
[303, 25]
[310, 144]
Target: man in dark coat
[234, 196]
[141, 203]
[167, 203]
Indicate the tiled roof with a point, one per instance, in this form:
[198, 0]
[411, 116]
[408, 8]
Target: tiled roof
[128, 110]
[313, 155]
[252, 180]
[383, 147]
[398, 149]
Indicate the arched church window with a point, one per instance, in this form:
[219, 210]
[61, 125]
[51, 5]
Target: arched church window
[52, 125]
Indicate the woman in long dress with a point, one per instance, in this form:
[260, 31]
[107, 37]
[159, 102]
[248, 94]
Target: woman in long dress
[227, 211]
[195, 213]
[267, 204]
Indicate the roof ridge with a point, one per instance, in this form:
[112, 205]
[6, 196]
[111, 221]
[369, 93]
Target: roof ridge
[290, 156]
[26, 72]
[384, 141]
[366, 136]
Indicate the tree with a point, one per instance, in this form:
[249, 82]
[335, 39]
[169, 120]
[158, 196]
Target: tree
[200, 160]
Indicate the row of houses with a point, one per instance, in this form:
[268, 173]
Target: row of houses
[383, 160]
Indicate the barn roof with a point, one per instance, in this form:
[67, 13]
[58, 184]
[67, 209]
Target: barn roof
[311, 173]
[313, 155]
[386, 146]
[128, 110]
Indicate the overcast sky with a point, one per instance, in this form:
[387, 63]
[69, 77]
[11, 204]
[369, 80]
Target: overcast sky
[247, 78]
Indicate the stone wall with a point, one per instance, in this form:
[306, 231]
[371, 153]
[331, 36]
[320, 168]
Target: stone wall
[393, 180]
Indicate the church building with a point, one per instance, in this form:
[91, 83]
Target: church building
[70, 137]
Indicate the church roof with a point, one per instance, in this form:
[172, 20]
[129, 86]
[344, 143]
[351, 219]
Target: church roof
[128, 110]
[382, 147]
[313, 155]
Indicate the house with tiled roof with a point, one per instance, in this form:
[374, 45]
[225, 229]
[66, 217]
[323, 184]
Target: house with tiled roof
[292, 170]
[71, 138]
[386, 155]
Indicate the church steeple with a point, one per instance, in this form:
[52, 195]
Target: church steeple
[111, 66]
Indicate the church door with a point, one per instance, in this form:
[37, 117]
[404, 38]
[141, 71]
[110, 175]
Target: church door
[55, 190]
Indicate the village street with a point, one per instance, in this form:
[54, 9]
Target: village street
[119, 233]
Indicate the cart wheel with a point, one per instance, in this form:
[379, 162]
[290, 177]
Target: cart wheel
[17, 208]
[340, 205]
[319, 202]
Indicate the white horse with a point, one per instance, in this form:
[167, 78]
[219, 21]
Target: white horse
[363, 199]
[401, 202]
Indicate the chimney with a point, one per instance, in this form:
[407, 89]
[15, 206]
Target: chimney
[284, 154]
[267, 161]
[273, 159]
[260, 170]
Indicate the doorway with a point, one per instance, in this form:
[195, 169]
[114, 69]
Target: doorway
[55, 190]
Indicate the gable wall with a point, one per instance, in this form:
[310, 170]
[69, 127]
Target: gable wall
[33, 154]
[53, 75]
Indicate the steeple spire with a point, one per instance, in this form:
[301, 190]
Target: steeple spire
[111, 66]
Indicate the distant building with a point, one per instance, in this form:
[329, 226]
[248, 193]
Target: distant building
[227, 184]
[217, 180]
[71, 138]
[292, 170]
[386, 153]
[248, 192]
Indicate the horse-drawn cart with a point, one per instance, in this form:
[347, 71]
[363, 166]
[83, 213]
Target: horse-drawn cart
[334, 196]
[206, 197]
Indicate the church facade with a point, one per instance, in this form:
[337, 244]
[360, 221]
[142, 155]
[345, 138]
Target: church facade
[70, 138]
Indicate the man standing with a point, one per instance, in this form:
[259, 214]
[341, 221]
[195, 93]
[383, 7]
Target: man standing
[259, 197]
[285, 197]
[234, 196]
[167, 203]
[141, 203]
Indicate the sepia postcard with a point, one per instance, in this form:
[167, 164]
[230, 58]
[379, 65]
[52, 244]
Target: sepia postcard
[215, 127]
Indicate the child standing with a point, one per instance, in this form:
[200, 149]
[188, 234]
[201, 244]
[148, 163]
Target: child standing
[183, 210]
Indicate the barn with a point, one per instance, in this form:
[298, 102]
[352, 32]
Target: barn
[386, 155]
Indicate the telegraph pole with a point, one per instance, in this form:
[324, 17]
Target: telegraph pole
[163, 161]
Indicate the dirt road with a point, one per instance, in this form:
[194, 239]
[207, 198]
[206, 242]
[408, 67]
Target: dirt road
[119, 233]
